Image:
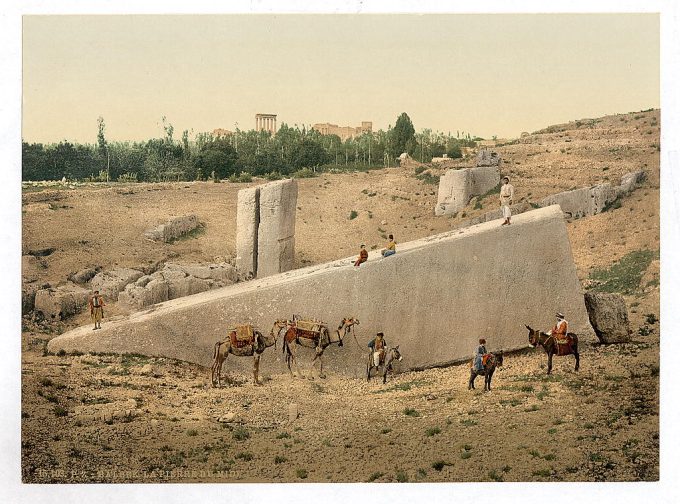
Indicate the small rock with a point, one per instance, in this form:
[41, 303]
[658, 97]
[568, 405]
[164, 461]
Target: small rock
[154, 422]
[147, 369]
[228, 418]
[293, 412]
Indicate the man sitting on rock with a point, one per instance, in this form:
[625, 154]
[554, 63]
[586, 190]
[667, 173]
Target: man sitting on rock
[97, 309]
[559, 331]
[391, 248]
[363, 256]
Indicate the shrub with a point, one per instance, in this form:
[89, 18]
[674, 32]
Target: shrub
[353, 214]
[245, 456]
[402, 477]
[301, 473]
[304, 173]
[374, 477]
[60, 411]
[244, 177]
[240, 434]
[411, 412]
[279, 459]
[273, 175]
[432, 431]
[624, 276]
[192, 432]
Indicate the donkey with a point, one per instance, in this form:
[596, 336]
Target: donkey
[230, 345]
[554, 347]
[391, 355]
[318, 339]
[494, 360]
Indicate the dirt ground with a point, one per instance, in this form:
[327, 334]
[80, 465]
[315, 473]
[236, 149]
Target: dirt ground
[109, 418]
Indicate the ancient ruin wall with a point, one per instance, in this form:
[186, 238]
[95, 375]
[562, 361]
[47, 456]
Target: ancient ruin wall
[434, 298]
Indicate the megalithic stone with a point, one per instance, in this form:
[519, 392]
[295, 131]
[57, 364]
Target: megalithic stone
[247, 220]
[276, 230]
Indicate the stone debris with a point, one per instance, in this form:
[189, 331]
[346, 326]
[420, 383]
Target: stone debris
[608, 316]
[83, 276]
[173, 229]
[176, 280]
[61, 302]
[110, 283]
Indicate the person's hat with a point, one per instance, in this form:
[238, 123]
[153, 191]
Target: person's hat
[363, 245]
[506, 178]
[482, 341]
[559, 315]
[380, 334]
[96, 292]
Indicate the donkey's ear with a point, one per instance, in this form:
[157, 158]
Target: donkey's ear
[396, 347]
[527, 327]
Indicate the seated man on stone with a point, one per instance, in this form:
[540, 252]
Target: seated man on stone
[363, 256]
[391, 247]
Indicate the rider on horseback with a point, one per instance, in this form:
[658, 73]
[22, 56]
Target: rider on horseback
[481, 350]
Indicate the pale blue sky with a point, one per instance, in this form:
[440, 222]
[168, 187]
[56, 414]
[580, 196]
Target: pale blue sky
[486, 74]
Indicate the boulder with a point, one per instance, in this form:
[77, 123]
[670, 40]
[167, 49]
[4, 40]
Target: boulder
[61, 302]
[173, 229]
[608, 316]
[28, 291]
[83, 276]
[150, 292]
[293, 412]
[630, 181]
[111, 283]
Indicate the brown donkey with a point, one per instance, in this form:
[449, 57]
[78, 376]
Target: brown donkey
[554, 347]
[494, 360]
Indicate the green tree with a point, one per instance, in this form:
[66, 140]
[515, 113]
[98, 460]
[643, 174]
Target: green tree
[403, 136]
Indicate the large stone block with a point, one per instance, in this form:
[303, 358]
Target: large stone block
[457, 187]
[61, 302]
[435, 297]
[582, 202]
[247, 220]
[139, 296]
[111, 283]
[486, 157]
[630, 181]
[276, 229]
[608, 316]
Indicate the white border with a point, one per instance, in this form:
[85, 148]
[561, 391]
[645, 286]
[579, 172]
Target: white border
[11, 490]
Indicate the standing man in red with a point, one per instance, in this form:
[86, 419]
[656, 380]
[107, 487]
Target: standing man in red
[97, 309]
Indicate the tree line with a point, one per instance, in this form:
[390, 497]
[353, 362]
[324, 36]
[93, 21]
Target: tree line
[254, 153]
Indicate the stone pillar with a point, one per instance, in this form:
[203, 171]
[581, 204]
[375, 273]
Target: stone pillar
[276, 230]
[247, 220]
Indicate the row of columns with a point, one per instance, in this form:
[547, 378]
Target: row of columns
[265, 122]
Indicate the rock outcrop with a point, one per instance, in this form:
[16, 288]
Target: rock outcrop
[582, 202]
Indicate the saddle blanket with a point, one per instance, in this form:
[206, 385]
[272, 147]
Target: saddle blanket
[309, 325]
[244, 333]
[485, 358]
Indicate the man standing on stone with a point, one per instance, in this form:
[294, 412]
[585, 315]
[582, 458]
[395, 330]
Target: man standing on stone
[97, 309]
[507, 195]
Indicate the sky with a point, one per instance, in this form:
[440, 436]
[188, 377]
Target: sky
[486, 74]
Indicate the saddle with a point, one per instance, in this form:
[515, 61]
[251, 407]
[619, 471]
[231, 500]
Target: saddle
[310, 329]
[485, 358]
[242, 336]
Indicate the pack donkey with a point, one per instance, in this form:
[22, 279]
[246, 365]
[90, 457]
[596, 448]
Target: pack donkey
[385, 360]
